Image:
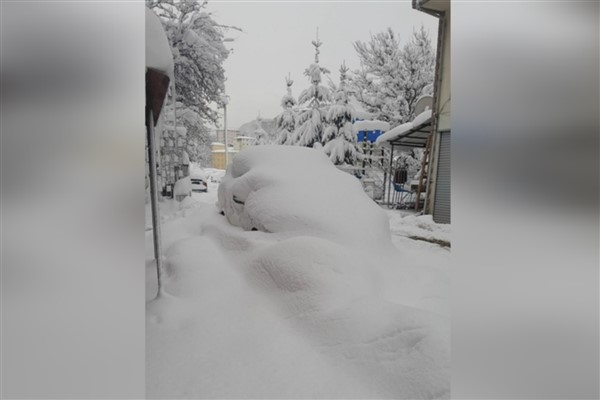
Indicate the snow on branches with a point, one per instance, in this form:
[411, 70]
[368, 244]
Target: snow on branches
[199, 51]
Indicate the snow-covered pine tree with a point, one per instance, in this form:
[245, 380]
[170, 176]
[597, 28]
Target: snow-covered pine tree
[338, 139]
[286, 121]
[260, 134]
[315, 99]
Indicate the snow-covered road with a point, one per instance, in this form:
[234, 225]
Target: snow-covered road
[251, 315]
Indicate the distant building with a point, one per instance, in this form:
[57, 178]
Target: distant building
[242, 142]
[231, 135]
[218, 155]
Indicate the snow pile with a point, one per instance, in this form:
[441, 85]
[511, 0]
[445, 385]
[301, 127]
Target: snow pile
[318, 304]
[308, 274]
[298, 190]
[158, 51]
[420, 119]
[419, 225]
[186, 158]
[183, 187]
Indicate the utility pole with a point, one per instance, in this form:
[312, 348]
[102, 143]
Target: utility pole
[225, 133]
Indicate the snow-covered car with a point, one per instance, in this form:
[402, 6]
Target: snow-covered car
[199, 184]
[265, 189]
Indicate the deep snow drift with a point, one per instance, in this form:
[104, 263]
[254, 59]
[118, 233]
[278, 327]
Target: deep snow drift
[318, 303]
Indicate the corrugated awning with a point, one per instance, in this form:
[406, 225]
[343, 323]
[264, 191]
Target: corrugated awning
[415, 137]
[412, 134]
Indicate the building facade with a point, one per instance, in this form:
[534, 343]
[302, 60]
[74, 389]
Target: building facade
[438, 194]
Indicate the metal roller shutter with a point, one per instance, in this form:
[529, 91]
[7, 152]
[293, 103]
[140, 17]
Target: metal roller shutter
[441, 203]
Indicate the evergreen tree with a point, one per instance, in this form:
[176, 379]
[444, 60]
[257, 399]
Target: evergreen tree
[311, 121]
[286, 121]
[339, 140]
[260, 134]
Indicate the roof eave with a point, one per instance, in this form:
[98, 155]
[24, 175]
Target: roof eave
[422, 5]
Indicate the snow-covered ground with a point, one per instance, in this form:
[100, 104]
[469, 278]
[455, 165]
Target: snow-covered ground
[287, 314]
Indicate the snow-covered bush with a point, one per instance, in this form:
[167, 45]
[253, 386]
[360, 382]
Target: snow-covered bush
[297, 190]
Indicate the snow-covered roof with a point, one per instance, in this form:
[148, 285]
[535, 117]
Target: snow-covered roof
[158, 51]
[394, 133]
[370, 126]
[198, 174]
[405, 128]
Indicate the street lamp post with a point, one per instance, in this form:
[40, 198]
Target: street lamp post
[225, 100]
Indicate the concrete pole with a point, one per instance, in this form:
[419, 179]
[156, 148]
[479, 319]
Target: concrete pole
[225, 134]
[174, 132]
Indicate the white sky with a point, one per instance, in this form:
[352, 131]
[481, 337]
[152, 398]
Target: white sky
[277, 40]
